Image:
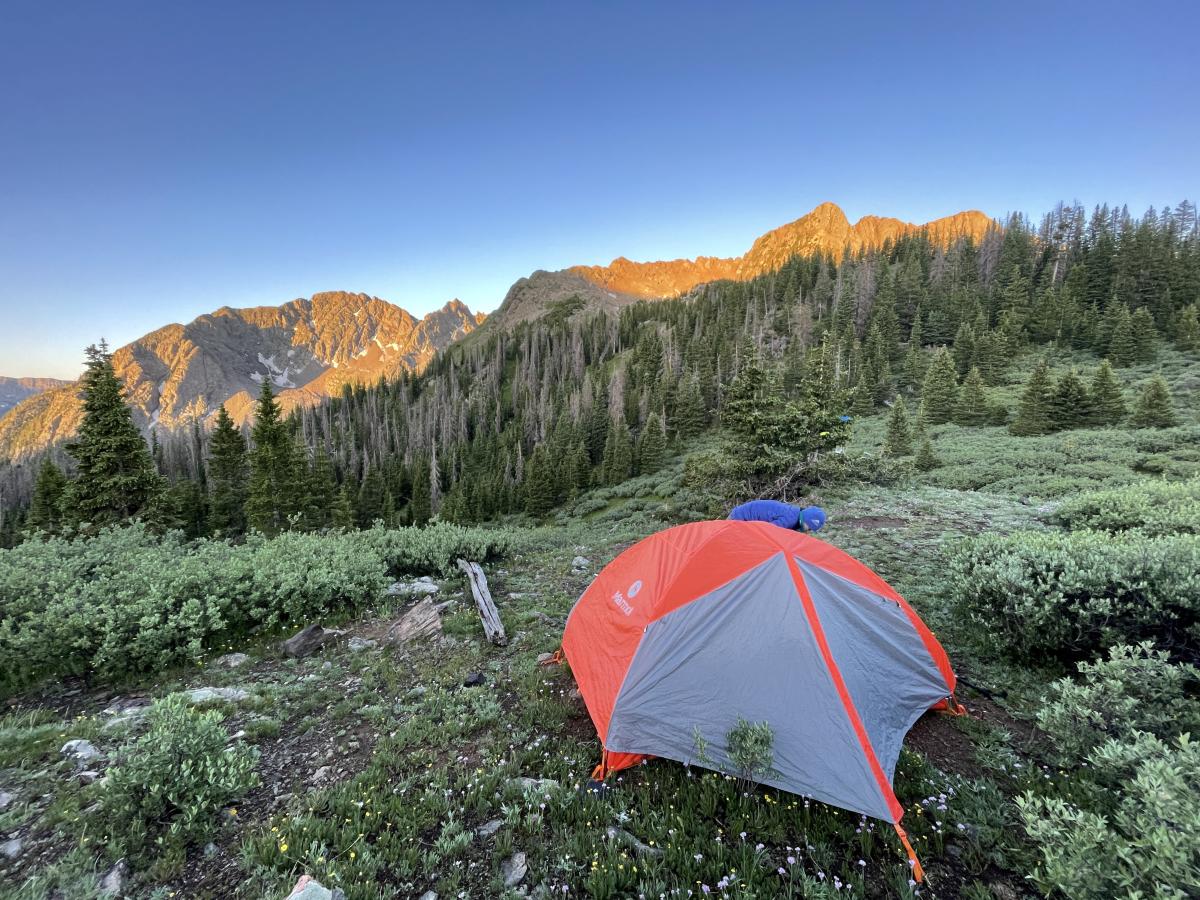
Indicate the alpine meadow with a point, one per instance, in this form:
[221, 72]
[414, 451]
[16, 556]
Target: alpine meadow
[864, 564]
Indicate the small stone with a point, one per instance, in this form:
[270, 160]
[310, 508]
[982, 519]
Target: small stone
[429, 895]
[307, 888]
[576, 694]
[113, 881]
[80, 750]
[544, 658]
[487, 829]
[210, 849]
[513, 869]
[539, 785]
[358, 644]
[475, 679]
[12, 849]
[231, 660]
[580, 562]
[515, 595]
[412, 589]
[6, 799]
[88, 776]
[216, 695]
[326, 666]
[322, 773]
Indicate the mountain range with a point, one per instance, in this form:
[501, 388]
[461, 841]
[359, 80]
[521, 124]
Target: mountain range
[14, 390]
[309, 348]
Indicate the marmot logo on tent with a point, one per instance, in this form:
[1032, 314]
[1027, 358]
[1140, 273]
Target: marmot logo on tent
[621, 603]
[634, 588]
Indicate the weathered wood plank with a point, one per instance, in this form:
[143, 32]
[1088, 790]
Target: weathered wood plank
[423, 620]
[493, 628]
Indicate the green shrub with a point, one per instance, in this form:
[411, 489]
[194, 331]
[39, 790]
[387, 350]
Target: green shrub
[169, 785]
[1147, 844]
[1151, 507]
[127, 601]
[1070, 595]
[752, 749]
[1136, 689]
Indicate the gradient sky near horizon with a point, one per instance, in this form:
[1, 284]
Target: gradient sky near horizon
[160, 160]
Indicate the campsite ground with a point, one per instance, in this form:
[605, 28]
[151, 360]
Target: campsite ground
[383, 774]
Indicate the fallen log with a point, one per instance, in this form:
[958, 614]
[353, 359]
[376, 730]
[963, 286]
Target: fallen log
[493, 628]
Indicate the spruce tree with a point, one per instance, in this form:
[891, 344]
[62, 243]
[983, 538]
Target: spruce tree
[343, 509]
[115, 475]
[939, 392]
[1154, 408]
[972, 401]
[1108, 404]
[899, 435]
[653, 449]
[1071, 404]
[617, 464]
[1034, 414]
[274, 468]
[926, 458]
[1145, 335]
[45, 510]
[420, 510]
[690, 417]
[1187, 331]
[320, 490]
[539, 482]
[1122, 345]
[227, 477]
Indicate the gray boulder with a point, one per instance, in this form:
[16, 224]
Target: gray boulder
[12, 849]
[580, 563]
[308, 640]
[216, 695]
[231, 660]
[113, 882]
[308, 888]
[6, 799]
[80, 750]
[514, 869]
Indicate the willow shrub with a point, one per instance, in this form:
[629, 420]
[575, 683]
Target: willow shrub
[1045, 595]
[1151, 507]
[127, 601]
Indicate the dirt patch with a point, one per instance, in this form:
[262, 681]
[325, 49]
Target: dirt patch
[936, 738]
[873, 522]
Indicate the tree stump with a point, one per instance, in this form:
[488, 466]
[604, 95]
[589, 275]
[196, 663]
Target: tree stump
[493, 629]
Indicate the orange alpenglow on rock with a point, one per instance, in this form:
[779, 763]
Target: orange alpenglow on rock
[824, 230]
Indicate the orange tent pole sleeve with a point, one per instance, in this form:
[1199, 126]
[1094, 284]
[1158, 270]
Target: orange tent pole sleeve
[918, 872]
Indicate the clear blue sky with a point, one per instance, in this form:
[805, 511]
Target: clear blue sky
[161, 159]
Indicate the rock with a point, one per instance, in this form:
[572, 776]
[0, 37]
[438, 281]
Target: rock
[419, 588]
[307, 888]
[6, 799]
[620, 836]
[309, 639]
[487, 829]
[210, 849]
[12, 849]
[322, 773]
[545, 659]
[88, 776]
[126, 720]
[580, 562]
[358, 644]
[231, 660]
[80, 750]
[423, 620]
[515, 595]
[426, 579]
[513, 869]
[113, 881]
[1002, 891]
[216, 695]
[429, 895]
[576, 694]
[475, 679]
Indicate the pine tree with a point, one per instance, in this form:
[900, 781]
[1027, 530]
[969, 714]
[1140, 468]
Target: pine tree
[45, 510]
[1187, 331]
[372, 498]
[939, 392]
[227, 477]
[320, 490]
[274, 468]
[652, 451]
[690, 417]
[1108, 404]
[343, 509]
[1122, 344]
[1145, 336]
[1154, 408]
[972, 401]
[1034, 414]
[420, 510]
[539, 482]
[116, 479]
[617, 464]
[1071, 404]
[899, 436]
[926, 458]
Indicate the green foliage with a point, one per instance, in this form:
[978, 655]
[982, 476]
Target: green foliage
[116, 478]
[227, 477]
[926, 459]
[1187, 332]
[972, 401]
[1035, 414]
[751, 748]
[1154, 408]
[1136, 689]
[1149, 507]
[1070, 403]
[939, 391]
[168, 787]
[899, 435]
[46, 512]
[275, 469]
[126, 601]
[1108, 404]
[1045, 595]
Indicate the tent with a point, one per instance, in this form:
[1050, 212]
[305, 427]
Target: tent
[701, 625]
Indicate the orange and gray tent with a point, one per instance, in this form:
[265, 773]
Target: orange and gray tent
[700, 625]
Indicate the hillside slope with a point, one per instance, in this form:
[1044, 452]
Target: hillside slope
[14, 390]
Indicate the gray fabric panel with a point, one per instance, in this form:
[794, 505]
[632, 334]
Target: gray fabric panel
[745, 649]
[890, 675]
